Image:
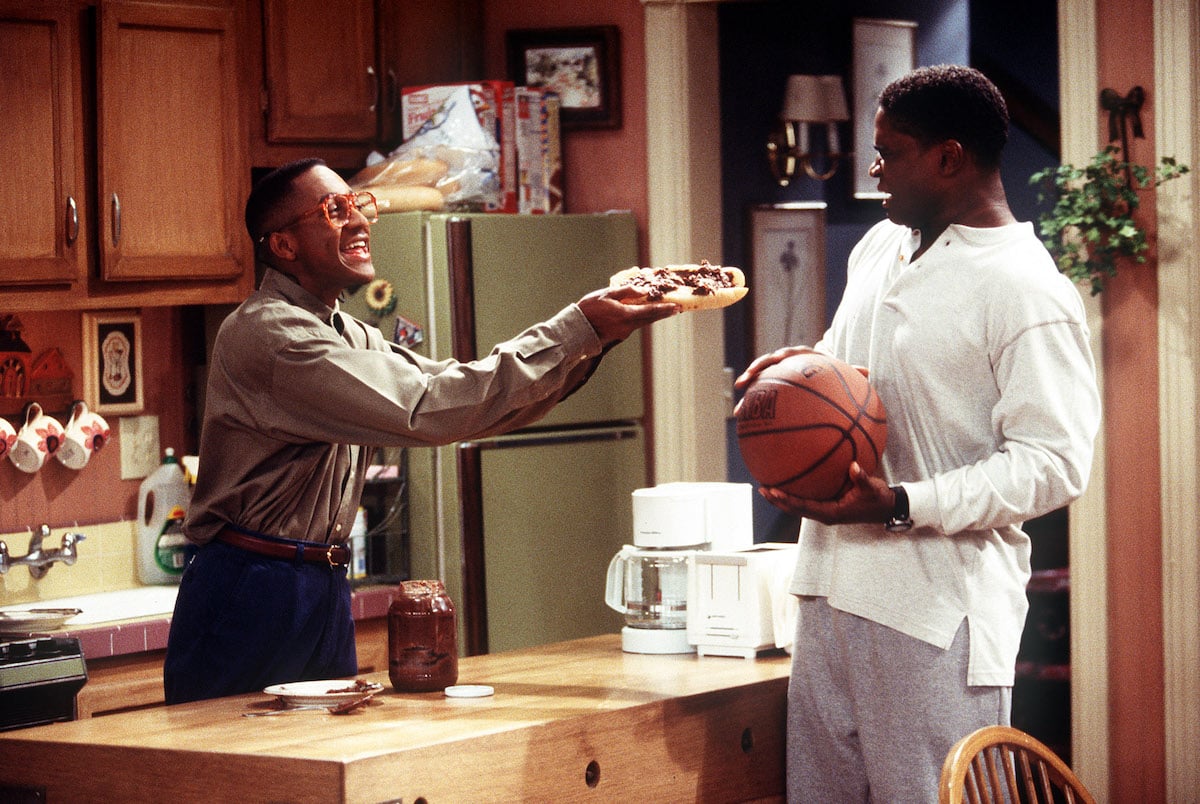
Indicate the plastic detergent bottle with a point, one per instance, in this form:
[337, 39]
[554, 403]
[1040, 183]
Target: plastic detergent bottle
[162, 507]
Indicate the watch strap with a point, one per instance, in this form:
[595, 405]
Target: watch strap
[900, 520]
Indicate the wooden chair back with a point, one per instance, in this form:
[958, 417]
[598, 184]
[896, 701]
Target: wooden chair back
[1003, 765]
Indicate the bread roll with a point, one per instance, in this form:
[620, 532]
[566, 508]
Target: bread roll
[400, 171]
[406, 198]
[692, 287]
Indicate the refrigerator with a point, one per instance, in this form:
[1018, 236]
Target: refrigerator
[521, 526]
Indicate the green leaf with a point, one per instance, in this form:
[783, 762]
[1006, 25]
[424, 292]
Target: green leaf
[1095, 205]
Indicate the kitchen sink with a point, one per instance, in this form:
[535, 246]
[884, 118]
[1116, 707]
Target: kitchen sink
[102, 607]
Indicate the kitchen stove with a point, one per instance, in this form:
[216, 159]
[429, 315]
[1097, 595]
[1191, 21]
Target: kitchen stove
[39, 679]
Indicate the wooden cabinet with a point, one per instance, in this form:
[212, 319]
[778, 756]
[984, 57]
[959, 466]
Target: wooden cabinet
[170, 165]
[139, 123]
[320, 71]
[328, 76]
[126, 176]
[121, 684]
[371, 644]
[42, 240]
[433, 41]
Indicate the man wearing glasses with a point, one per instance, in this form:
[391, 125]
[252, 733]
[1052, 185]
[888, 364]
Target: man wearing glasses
[299, 396]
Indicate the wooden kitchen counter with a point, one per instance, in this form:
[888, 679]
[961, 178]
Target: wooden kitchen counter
[577, 720]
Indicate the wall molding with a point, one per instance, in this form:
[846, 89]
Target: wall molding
[1177, 85]
[690, 396]
[1079, 94]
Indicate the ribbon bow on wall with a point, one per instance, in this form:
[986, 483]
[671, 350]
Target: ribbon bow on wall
[1121, 112]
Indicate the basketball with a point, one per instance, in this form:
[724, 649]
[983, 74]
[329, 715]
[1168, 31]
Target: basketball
[803, 420]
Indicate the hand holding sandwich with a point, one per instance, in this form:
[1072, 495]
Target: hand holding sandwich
[614, 319]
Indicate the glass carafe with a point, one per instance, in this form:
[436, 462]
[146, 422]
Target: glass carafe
[656, 588]
[649, 586]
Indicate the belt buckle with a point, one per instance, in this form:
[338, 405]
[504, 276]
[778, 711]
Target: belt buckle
[329, 557]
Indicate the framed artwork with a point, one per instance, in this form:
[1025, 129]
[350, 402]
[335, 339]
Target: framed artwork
[787, 275]
[884, 50]
[112, 362]
[581, 64]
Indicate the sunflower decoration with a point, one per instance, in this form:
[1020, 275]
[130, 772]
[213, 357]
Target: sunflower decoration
[381, 297]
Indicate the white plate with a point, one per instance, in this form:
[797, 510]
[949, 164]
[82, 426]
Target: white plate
[320, 693]
[34, 620]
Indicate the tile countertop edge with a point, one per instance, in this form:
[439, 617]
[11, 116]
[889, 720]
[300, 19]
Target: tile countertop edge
[143, 634]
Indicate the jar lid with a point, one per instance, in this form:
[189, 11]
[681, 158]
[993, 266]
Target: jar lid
[469, 691]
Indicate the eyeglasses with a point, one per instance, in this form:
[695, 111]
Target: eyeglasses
[336, 207]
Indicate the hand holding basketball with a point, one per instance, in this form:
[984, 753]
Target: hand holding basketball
[869, 499]
[804, 419]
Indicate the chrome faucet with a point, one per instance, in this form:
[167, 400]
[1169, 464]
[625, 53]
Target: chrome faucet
[39, 560]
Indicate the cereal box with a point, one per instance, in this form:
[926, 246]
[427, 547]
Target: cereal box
[539, 151]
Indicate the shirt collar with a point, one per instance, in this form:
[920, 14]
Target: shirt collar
[280, 285]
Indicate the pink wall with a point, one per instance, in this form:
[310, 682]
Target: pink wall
[604, 168]
[1135, 582]
[58, 496]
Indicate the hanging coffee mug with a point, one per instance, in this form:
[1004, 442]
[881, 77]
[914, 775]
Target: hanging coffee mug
[38, 439]
[8, 437]
[86, 433]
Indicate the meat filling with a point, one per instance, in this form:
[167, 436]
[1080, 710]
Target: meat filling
[703, 281]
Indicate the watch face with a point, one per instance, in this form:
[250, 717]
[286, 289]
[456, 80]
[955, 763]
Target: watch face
[898, 525]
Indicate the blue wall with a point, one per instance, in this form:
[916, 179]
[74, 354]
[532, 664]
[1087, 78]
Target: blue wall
[761, 43]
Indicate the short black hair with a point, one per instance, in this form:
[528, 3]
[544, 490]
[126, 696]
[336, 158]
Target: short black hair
[270, 190]
[950, 102]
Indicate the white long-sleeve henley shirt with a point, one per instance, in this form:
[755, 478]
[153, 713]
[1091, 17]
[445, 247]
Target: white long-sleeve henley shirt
[979, 351]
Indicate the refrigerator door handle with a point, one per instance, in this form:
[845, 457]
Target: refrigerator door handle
[461, 268]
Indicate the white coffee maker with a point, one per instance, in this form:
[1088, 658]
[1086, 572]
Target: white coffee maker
[648, 580]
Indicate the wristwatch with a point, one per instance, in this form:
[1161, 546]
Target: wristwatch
[900, 521]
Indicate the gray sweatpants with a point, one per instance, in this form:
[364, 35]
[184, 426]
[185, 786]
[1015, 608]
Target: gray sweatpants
[872, 713]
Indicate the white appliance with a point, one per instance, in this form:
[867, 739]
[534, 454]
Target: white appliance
[724, 511]
[647, 581]
[737, 600]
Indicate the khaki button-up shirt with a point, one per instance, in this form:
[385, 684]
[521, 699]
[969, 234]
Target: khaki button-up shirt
[300, 394]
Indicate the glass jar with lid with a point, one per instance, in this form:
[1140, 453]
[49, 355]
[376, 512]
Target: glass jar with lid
[422, 638]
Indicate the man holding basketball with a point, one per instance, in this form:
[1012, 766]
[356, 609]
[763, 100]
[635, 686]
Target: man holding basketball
[912, 585]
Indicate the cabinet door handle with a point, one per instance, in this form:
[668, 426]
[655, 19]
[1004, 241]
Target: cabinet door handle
[116, 219]
[375, 83]
[72, 221]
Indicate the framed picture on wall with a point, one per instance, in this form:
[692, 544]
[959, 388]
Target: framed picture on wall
[583, 65]
[112, 362]
[787, 275]
[884, 50]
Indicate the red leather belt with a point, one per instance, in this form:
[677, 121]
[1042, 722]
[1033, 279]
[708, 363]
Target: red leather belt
[335, 555]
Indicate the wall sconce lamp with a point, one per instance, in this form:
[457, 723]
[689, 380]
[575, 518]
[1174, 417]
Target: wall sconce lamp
[809, 100]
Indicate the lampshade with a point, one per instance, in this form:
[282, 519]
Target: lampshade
[814, 99]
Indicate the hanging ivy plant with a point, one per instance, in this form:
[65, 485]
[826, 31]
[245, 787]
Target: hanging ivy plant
[1091, 225]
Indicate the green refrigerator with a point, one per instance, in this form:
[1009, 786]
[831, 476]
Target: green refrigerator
[520, 527]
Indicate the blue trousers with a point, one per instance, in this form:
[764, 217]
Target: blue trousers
[243, 622]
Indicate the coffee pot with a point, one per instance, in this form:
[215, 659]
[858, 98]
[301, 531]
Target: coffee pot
[647, 581]
[649, 586]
